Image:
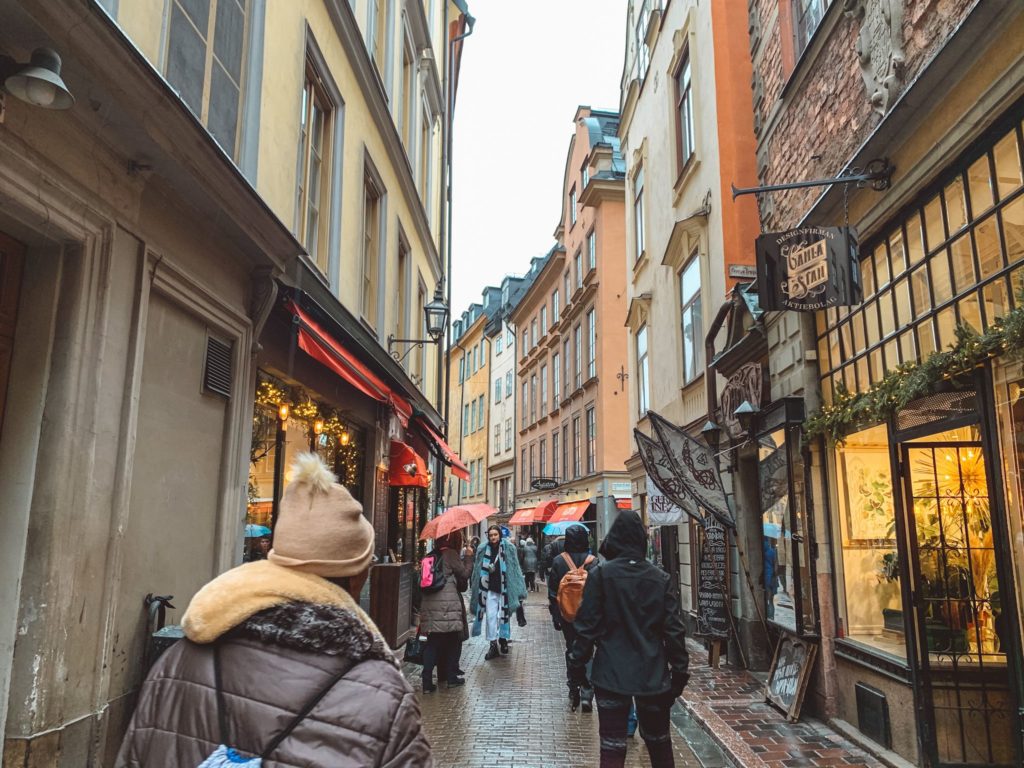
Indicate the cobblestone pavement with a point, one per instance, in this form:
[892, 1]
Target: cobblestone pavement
[729, 703]
[514, 710]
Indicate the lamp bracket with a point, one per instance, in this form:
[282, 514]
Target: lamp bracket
[413, 343]
[878, 172]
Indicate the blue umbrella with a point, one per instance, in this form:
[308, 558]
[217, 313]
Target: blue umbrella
[253, 531]
[557, 529]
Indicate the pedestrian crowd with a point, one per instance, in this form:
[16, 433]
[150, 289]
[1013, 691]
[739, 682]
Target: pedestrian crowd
[281, 667]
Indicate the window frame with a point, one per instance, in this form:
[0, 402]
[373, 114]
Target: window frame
[591, 437]
[375, 233]
[639, 229]
[591, 343]
[314, 91]
[643, 370]
[686, 144]
[694, 306]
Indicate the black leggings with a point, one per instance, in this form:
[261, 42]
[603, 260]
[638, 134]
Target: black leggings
[442, 650]
[653, 714]
[531, 580]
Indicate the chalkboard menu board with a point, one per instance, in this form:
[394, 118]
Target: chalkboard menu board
[712, 597]
[787, 680]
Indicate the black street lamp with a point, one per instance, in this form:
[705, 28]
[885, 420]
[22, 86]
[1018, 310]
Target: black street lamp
[712, 434]
[436, 316]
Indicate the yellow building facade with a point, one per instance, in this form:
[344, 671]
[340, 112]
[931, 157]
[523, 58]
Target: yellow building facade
[469, 414]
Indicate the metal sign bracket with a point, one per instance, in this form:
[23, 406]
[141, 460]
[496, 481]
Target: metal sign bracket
[877, 173]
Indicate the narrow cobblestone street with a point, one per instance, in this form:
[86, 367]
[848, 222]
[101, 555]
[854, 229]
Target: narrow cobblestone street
[513, 711]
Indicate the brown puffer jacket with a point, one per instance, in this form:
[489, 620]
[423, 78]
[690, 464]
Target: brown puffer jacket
[444, 611]
[273, 662]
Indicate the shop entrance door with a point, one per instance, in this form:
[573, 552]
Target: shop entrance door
[961, 606]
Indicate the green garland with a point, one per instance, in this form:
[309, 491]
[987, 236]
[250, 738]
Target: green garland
[910, 381]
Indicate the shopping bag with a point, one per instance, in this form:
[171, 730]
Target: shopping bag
[414, 650]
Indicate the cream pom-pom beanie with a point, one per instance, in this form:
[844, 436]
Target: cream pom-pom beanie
[320, 527]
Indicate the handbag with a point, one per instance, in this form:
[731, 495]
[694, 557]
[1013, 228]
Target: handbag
[414, 649]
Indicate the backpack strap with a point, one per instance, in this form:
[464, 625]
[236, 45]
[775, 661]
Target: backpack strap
[222, 718]
[588, 561]
[568, 561]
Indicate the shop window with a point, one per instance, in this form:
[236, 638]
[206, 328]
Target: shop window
[787, 576]
[205, 51]
[870, 573]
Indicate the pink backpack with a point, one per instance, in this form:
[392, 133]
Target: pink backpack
[432, 578]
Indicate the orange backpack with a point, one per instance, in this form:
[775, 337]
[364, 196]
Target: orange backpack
[570, 588]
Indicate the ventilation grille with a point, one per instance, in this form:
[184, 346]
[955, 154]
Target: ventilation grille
[217, 374]
[873, 715]
[944, 405]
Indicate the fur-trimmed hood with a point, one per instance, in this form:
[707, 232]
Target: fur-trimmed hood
[282, 606]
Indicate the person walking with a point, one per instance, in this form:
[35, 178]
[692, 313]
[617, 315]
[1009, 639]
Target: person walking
[443, 614]
[630, 612]
[576, 555]
[279, 662]
[498, 591]
[551, 550]
[530, 564]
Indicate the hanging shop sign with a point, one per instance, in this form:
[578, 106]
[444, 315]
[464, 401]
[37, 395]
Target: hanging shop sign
[744, 385]
[712, 600]
[661, 509]
[807, 269]
[662, 475]
[693, 464]
[544, 484]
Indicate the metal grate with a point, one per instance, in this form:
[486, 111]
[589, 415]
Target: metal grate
[873, 715]
[938, 407]
[217, 373]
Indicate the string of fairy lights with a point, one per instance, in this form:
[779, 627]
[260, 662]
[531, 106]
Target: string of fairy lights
[909, 381]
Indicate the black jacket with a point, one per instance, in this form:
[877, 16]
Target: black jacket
[577, 545]
[630, 611]
[551, 551]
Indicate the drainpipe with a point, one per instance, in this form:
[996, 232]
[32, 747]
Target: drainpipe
[446, 192]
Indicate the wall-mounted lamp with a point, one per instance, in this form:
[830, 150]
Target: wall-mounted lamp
[745, 415]
[39, 82]
[712, 434]
[435, 315]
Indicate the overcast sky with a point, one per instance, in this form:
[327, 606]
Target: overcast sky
[525, 69]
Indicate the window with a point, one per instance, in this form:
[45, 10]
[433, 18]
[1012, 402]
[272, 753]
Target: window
[638, 212]
[543, 388]
[555, 307]
[497, 390]
[376, 33]
[684, 111]
[533, 333]
[567, 287]
[592, 250]
[418, 358]
[471, 428]
[508, 383]
[497, 439]
[568, 369]
[543, 319]
[522, 470]
[425, 155]
[508, 434]
[399, 328]
[533, 398]
[585, 174]
[481, 416]
[526, 342]
[565, 452]
[640, 39]
[511, 340]
[591, 344]
[313, 179]
[532, 473]
[209, 81]
[807, 16]
[578, 263]
[642, 372]
[525, 405]
[689, 297]
[462, 369]
[554, 453]
[499, 344]
[373, 204]
[542, 449]
[577, 344]
[556, 381]
[572, 205]
[465, 419]
[575, 446]
[407, 96]
[591, 440]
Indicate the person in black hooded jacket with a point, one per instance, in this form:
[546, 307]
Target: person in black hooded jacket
[577, 547]
[630, 611]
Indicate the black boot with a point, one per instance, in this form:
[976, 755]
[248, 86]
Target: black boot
[492, 652]
[574, 697]
[587, 699]
[504, 645]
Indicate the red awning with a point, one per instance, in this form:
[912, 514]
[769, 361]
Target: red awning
[522, 517]
[545, 510]
[569, 512]
[319, 345]
[450, 457]
[624, 503]
[406, 467]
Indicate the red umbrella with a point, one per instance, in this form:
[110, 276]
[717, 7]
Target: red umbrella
[455, 519]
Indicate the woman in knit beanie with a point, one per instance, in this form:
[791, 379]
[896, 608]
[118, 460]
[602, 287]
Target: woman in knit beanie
[280, 662]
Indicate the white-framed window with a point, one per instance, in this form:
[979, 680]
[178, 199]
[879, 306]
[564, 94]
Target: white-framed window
[543, 388]
[567, 286]
[556, 380]
[577, 348]
[567, 357]
[578, 263]
[585, 174]
[807, 15]
[533, 398]
[508, 434]
[555, 307]
[554, 453]
[462, 369]
[522, 469]
[497, 390]
[466, 428]
[642, 372]
[373, 217]
[572, 205]
[376, 33]
[576, 452]
[684, 111]
[542, 448]
[543, 319]
[313, 174]
[591, 440]
[526, 342]
[638, 212]
[206, 45]
[497, 439]
[525, 406]
[592, 250]
[565, 452]
[692, 325]
[591, 343]
[508, 383]
[407, 97]
[643, 55]
[499, 344]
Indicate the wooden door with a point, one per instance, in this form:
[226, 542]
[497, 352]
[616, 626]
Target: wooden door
[12, 256]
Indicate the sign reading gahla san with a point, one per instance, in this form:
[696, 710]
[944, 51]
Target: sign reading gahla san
[808, 268]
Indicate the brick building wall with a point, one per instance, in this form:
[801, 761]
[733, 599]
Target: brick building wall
[812, 111]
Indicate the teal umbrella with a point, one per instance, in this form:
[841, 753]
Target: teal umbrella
[253, 531]
[557, 529]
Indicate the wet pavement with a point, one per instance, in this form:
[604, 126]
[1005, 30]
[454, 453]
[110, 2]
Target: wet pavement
[514, 710]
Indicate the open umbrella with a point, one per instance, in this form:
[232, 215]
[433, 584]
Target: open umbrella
[557, 529]
[253, 531]
[455, 519]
